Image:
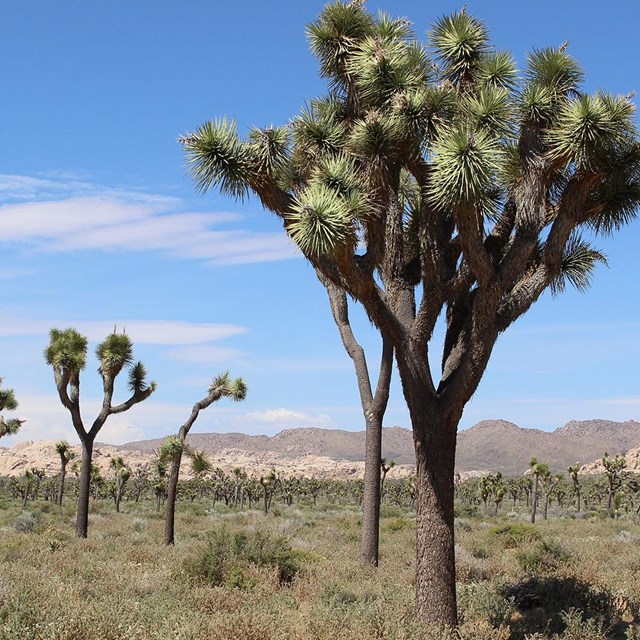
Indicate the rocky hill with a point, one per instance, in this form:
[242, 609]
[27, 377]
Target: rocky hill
[489, 446]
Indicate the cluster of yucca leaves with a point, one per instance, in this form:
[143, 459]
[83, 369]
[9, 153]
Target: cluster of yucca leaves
[67, 354]
[8, 401]
[458, 109]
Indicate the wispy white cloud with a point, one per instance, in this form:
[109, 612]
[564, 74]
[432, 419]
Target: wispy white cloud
[206, 354]
[53, 215]
[160, 332]
[287, 418]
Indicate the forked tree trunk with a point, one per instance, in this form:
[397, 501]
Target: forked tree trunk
[84, 485]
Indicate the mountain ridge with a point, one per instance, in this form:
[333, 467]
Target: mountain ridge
[486, 447]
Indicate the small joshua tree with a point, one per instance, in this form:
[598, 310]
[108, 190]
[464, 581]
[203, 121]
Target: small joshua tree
[538, 469]
[573, 470]
[613, 469]
[122, 474]
[8, 401]
[172, 450]
[63, 449]
[67, 355]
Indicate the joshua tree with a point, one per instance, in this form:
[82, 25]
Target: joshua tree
[63, 449]
[67, 355]
[549, 484]
[122, 474]
[573, 470]
[269, 485]
[8, 401]
[39, 475]
[221, 387]
[444, 187]
[537, 469]
[613, 469]
[200, 464]
[385, 467]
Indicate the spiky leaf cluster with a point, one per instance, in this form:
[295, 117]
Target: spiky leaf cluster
[114, 353]
[7, 398]
[67, 351]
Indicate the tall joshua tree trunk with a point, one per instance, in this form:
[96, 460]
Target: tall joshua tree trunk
[373, 408]
[172, 490]
[84, 483]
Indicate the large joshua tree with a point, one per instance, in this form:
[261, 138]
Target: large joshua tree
[173, 447]
[8, 401]
[67, 355]
[437, 181]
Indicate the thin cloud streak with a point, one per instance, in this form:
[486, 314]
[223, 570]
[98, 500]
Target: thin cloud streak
[72, 216]
[157, 332]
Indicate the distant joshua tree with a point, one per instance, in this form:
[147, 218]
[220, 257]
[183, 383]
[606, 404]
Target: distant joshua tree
[122, 474]
[67, 355]
[8, 401]
[573, 470]
[538, 469]
[172, 450]
[63, 449]
[613, 469]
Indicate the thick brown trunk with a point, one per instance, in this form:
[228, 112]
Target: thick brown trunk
[84, 482]
[435, 444]
[172, 493]
[370, 538]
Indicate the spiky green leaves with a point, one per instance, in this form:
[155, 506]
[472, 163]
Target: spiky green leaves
[490, 109]
[588, 128]
[169, 451]
[614, 200]
[216, 157]
[386, 64]
[8, 401]
[496, 69]
[268, 148]
[465, 167]
[335, 34]
[579, 260]
[319, 131]
[320, 221]
[554, 70]
[223, 385]
[7, 398]
[138, 379]
[67, 351]
[114, 353]
[459, 41]
[200, 463]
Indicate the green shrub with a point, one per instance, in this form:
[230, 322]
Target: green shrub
[226, 558]
[25, 522]
[546, 556]
[397, 524]
[513, 535]
[483, 601]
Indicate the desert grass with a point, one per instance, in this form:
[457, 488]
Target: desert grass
[563, 578]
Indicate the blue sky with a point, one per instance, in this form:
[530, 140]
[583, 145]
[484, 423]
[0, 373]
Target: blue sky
[101, 225]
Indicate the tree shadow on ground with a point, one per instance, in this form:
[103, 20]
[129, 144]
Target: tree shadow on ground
[542, 602]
